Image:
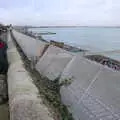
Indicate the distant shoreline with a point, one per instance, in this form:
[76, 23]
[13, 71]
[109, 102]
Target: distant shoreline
[69, 26]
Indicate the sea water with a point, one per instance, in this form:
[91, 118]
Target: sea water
[101, 39]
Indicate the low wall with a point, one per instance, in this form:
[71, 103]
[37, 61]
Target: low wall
[90, 90]
[23, 95]
[31, 47]
[53, 62]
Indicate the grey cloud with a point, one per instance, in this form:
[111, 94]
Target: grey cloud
[72, 12]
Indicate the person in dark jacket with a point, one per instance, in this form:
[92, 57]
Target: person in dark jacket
[3, 57]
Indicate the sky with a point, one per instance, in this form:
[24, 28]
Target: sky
[60, 12]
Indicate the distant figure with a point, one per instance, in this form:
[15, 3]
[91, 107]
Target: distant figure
[3, 57]
[10, 27]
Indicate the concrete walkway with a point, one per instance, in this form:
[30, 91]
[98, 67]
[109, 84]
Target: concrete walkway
[24, 103]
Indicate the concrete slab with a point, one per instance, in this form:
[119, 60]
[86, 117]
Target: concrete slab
[53, 62]
[31, 47]
[10, 43]
[106, 92]
[13, 56]
[94, 92]
[80, 72]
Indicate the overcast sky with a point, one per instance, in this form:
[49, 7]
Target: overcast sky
[60, 12]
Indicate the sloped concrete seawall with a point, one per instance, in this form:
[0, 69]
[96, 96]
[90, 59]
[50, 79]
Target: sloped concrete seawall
[23, 95]
[32, 48]
[93, 93]
[53, 62]
[90, 90]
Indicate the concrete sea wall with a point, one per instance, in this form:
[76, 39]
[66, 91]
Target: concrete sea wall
[93, 93]
[90, 90]
[53, 62]
[24, 102]
[31, 47]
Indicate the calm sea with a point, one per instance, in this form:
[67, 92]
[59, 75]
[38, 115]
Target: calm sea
[91, 38]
